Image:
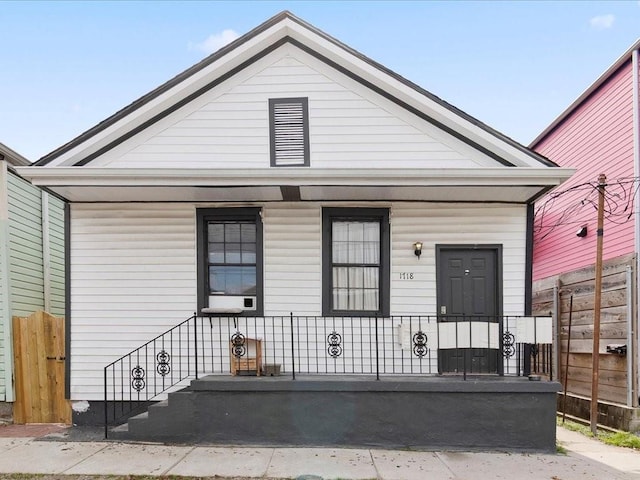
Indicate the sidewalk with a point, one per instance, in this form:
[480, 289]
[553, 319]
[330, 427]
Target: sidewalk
[52, 450]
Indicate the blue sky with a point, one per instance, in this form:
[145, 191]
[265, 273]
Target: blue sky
[514, 65]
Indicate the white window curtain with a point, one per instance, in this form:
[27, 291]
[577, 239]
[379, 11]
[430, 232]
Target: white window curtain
[356, 265]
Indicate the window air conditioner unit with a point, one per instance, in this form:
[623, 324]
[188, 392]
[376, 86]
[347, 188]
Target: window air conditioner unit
[230, 304]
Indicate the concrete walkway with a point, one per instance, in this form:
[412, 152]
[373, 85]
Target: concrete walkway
[51, 450]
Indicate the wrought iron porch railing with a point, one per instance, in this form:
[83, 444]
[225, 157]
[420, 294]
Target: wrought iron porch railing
[290, 345]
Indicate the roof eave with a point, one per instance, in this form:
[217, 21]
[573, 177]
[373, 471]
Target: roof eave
[622, 60]
[94, 176]
[12, 157]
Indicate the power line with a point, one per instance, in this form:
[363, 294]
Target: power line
[577, 205]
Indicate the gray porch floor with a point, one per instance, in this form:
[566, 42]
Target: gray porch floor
[369, 383]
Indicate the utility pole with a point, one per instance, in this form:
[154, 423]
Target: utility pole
[602, 179]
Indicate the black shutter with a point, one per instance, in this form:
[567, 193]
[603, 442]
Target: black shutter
[289, 125]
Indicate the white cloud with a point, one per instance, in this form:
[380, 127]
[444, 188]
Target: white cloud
[602, 22]
[215, 41]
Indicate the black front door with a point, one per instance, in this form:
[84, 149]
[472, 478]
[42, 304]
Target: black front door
[468, 293]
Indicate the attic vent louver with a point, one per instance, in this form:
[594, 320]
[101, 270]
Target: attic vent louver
[289, 125]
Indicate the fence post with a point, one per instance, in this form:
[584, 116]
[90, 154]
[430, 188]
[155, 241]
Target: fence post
[527, 359]
[377, 353]
[293, 354]
[500, 365]
[195, 341]
[106, 414]
[464, 354]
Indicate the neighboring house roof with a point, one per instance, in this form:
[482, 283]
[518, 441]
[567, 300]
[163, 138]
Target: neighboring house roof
[626, 57]
[12, 157]
[497, 154]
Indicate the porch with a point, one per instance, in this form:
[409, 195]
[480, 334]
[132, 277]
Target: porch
[413, 381]
[481, 413]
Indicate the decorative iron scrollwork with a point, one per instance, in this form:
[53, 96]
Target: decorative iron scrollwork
[138, 378]
[508, 342]
[420, 348]
[238, 345]
[334, 339]
[164, 360]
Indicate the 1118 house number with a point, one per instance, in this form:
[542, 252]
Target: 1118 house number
[406, 276]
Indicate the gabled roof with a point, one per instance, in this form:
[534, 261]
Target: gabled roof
[286, 27]
[626, 57]
[12, 157]
[510, 173]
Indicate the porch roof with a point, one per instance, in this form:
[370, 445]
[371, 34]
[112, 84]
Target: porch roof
[95, 184]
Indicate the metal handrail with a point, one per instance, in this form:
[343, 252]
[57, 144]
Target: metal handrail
[405, 345]
[134, 402]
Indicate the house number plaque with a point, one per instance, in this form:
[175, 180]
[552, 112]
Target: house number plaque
[407, 275]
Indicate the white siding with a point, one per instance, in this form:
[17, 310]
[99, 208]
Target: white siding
[133, 272]
[350, 126]
[292, 259]
[133, 276]
[434, 224]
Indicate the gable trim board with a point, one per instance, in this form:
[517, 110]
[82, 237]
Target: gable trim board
[187, 86]
[12, 157]
[454, 133]
[140, 102]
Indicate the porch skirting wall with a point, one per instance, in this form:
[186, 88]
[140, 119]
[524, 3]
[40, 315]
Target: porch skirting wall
[483, 413]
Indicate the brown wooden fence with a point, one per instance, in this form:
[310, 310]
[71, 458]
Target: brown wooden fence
[39, 354]
[552, 296]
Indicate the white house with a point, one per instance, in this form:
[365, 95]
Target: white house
[288, 174]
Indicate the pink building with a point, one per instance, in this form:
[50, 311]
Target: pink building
[597, 134]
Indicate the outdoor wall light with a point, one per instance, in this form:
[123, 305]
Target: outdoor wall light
[417, 249]
[582, 231]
